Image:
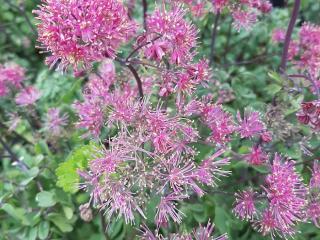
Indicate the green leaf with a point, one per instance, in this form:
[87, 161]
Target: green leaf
[68, 178]
[32, 235]
[61, 222]
[272, 89]
[45, 199]
[31, 174]
[43, 230]
[68, 212]
[276, 76]
[16, 213]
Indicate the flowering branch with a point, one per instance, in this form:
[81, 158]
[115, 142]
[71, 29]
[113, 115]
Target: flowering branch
[291, 25]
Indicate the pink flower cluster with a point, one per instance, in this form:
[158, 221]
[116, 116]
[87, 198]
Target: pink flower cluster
[55, 122]
[27, 96]
[284, 197]
[177, 36]
[11, 75]
[79, 32]
[309, 114]
[309, 44]
[244, 12]
[200, 233]
[313, 207]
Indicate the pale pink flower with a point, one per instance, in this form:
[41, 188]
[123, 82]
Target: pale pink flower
[267, 224]
[79, 32]
[313, 212]
[167, 209]
[220, 122]
[315, 177]
[245, 205]
[27, 96]
[243, 19]
[286, 194]
[219, 5]
[55, 122]
[278, 35]
[91, 116]
[210, 170]
[250, 125]
[178, 36]
[205, 233]
[309, 114]
[256, 156]
[12, 74]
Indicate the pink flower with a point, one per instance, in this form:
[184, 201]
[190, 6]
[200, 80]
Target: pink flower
[310, 48]
[250, 125]
[267, 223]
[3, 88]
[219, 5]
[313, 212]
[309, 114]
[286, 194]
[27, 96]
[278, 35]
[12, 74]
[55, 122]
[205, 233]
[315, 177]
[220, 122]
[209, 171]
[265, 6]
[91, 116]
[243, 19]
[178, 36]
[256, 156]
[245, 205]
[167, 209]
[79, 32]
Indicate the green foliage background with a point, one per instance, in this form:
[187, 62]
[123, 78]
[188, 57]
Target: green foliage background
[37, 195]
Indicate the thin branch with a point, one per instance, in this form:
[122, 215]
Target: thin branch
[145, 10]
[141, 46]
[138, 79]
[294, 16]
[213, 37]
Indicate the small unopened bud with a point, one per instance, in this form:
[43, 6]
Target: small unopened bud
[85, 212]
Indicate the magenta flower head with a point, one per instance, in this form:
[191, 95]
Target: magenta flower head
[28, 96]
[243, 19]
[79, 32]
[286, 195]
[12, 74]
[245, 204]
[250, 125]
[278, 35]
[177, 36]
[315, 177]
[256, 156]
[167, 209]
[55, 121]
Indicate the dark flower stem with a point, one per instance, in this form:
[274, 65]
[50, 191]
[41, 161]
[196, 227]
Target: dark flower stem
[213, 37]
[138, 80]
[145, 9]
[294, 16]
